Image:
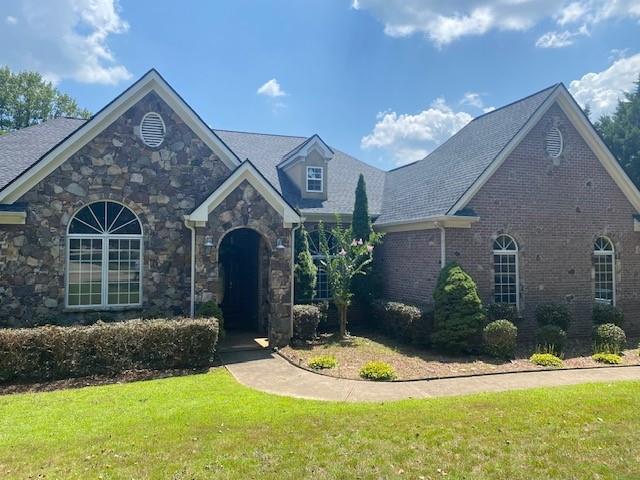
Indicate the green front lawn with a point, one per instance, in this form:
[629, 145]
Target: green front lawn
[208, 426]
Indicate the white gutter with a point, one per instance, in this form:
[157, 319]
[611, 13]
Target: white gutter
[293, 264]
[191, 227]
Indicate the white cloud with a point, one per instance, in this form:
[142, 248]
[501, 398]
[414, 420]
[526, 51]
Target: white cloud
[271, 89]
[561, 39]
[601, 90]
[67, 39]
[410, 137]
[444, 21]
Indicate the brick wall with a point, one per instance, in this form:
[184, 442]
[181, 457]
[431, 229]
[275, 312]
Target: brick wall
[555, 209]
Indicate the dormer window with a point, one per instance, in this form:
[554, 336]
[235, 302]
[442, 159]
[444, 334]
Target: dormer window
[314, 179]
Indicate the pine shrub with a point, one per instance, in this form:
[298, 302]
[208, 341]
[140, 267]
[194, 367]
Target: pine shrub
[500, 338]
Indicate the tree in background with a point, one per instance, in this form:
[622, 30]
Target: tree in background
[27, 99]
[458, 314]
[621, 132]
[305, 270]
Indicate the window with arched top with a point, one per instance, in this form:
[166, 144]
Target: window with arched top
[505, 268]
[104, 257]
[604, 271]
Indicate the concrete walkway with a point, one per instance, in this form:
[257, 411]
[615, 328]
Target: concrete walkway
[268, 372]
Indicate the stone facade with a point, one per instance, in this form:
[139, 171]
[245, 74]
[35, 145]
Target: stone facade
[554, 209]
[161, 186]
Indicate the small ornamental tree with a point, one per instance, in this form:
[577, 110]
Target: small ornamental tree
[350, 261]
[305, 270]
[458, 313]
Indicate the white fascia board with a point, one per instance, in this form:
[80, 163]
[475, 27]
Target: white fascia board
[246, 171]
[504, 154]
[13, 218]
[428, 223]
[152, 81]
[314, 142]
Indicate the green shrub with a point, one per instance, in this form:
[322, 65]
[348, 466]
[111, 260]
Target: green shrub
[552, 338]
[603, 313]
[305, 321]
[211, 309]
[47, 353]
[500, 338]
[378, 371]
[608, 358]
[545, 360]
[404, 322]
[609, 338]
[322, 361]
[502, 311]
[553, 314]
[305, 270]
[458, 313]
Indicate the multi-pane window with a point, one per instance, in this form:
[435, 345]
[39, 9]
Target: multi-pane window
[505, 266]
[104, 257]
[314, 179]
[604, 271]
[323, 289]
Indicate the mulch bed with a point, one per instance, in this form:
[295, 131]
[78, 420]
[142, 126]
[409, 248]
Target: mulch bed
[412, 363]
[124, 377]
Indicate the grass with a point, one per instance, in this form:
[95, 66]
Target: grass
[209, 426]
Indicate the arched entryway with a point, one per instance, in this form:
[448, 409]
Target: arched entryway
[243, 266]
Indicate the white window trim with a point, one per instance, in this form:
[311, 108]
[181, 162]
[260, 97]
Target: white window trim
[105, 237]
[612, 254]
[321, 180]
[508, 252]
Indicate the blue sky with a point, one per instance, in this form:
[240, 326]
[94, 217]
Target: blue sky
[384, 80]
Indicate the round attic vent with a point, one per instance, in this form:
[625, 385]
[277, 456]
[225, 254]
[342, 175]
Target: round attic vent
[152, 129]
[553, 142]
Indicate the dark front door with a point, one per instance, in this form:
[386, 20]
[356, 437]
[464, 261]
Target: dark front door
[239, 266]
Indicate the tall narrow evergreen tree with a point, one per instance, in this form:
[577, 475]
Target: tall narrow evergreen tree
[360, 221]
[305, 270]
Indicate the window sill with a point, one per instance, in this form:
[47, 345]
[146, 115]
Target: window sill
[102, 309]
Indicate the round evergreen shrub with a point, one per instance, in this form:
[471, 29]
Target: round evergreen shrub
[502, 311]
[545, 360]
[609, 338]
[305, 321]
[500, 338]
[551, 337]
[458, 314]
[378, 371]
[322, 362]
[608, 358]
[553, 314]
[603, 313]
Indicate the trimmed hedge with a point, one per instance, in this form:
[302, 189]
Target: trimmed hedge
[500, 338]
[305, 321]
[603, 314]
[609, 338]
[48, 353]
[406, 323]
[557, 314]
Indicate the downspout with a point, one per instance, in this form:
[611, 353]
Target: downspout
[293, 263]
[443, 245]
[191, 227]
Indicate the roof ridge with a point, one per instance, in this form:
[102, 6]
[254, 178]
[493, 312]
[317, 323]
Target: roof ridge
[551, 88]
[259, 133]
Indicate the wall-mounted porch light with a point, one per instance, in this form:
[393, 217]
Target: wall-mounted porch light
[279, 245]
[208, 241]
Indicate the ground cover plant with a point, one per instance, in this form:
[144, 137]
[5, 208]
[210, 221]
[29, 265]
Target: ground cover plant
[208, 426]
[322, 362]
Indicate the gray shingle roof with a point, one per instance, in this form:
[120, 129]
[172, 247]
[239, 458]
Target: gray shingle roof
[22, 148]
[433, 185]
[266, 152]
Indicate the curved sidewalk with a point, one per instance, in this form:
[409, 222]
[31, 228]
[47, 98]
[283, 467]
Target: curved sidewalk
[268, 372]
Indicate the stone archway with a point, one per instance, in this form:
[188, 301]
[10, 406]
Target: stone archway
[243, 270]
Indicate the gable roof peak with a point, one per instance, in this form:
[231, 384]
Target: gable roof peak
[314, 141]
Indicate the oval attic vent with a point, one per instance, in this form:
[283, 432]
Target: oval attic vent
[553, 143]
[152, 129]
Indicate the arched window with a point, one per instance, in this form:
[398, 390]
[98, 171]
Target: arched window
[505, 266]
[104, 257]
[604, 269]
[323, 289]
